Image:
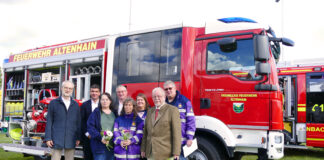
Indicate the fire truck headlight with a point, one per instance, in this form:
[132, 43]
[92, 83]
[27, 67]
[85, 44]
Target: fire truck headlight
[278, 139]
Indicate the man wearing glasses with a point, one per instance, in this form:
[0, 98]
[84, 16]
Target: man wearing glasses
[122, 94]
[63, 126]
[187, 116]
[162, 131]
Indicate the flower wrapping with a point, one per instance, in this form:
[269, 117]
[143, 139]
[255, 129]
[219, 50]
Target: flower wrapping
[107, 136]
[126, 135]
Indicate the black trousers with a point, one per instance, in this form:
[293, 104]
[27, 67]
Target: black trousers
[87, 153]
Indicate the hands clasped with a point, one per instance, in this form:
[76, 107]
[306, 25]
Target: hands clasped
[125, 143]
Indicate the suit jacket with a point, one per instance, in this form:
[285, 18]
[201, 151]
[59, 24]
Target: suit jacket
[162, 137]
[63, 126]
[115, 107]
[86, 110]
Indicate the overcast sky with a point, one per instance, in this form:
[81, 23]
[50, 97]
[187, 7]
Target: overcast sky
[27, 24]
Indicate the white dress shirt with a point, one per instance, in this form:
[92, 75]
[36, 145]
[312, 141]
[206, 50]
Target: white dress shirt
[67, 103]
[120, 107]
[94, 105]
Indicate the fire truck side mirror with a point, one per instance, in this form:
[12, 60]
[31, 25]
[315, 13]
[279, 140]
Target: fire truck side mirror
[262, 68]
[287, 42]
[284, 41]
[261, 48]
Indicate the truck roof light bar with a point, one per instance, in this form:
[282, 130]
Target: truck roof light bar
[236, 20]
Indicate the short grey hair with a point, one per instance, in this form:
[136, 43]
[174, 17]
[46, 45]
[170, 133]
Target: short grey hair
[121, 86]
[158, 89]
[169, 82]
[66, 82]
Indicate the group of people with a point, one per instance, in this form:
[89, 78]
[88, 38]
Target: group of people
[139, 131]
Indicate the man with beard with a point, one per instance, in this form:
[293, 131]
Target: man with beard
[63, 126]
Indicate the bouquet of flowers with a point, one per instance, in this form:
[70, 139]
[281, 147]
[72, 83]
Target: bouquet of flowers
[107, 136]
[126, 135]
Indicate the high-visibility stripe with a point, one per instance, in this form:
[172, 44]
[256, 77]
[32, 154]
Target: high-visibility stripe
[190, 114]
[315, 139]
[139, 132]
[248, 127]
[127, 156]
[190, 133]
[301, 109]
[299, 70]
[182, 110]
[136, 139]
[183, 120]
[243, 73]
[133, 128]
[301, 105]
[116, 129]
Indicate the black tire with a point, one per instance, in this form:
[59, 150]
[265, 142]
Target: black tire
[207, 151]
[237, 156]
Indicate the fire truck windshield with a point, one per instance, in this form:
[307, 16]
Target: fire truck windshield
[237, 60]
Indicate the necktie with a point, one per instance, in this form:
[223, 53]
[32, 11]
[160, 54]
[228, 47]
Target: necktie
[156, 113]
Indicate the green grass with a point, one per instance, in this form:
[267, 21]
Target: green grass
[290, 154]
[10, 155]
[297, 154]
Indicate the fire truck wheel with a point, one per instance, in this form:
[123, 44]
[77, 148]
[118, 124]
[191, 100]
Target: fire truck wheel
[206, 150]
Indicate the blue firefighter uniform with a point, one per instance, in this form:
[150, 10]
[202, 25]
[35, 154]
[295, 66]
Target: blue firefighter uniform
[134, 125]
[187, 116]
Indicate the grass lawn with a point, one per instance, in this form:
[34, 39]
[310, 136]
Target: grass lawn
[10, 155]
[297, 154]
[290, 154]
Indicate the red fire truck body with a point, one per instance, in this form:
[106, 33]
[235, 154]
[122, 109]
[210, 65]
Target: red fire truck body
[303, 87]
[226, 69]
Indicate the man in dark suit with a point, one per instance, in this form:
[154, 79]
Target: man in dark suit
[63, 126]
[162, 131]
[122, 94]
[86, 109]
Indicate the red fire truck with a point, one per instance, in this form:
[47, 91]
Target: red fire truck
[303, 88]
[227, 69]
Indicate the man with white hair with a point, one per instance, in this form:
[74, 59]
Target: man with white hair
[162, 131]
[63, 126]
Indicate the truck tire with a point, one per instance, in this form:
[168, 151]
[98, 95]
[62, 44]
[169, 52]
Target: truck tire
[206, 151]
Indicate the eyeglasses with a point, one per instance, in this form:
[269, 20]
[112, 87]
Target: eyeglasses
[121, 91]
[68, 88]
[166, 89]
[158, 96]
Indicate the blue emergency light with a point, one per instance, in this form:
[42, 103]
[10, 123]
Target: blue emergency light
[236, 19]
